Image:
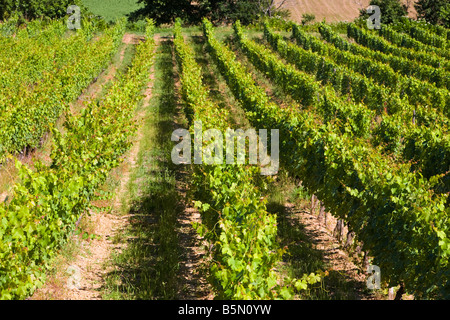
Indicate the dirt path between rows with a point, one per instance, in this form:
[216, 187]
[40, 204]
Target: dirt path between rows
[194, 262]
[332, 11]
[92, 265]
[342, 266]
[81, 277]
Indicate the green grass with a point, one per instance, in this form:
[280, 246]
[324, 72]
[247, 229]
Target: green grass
[148, 268]
[112, 9]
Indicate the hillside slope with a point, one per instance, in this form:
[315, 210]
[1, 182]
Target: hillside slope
[332, 10]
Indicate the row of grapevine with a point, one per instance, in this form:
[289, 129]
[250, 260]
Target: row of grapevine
[418, 92]
[27, 56]
[395, 131]
[325, 100]
[32, 61]
[412, 68]
[31, 56]
[421, 33]
[435, 28]
[428, 148]
[306, 60]
[27, 114]
[406, 41]
[300, 85]
[37, 39]
[344, 80]
[42, 29]
[401, 222]
[49, 200]
[234, 219]
[375, 42]
[438, 30]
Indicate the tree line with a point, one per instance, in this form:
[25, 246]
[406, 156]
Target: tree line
[220, 11]
[162, 11]
[433, 11]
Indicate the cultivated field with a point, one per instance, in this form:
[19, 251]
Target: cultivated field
[331, 10]
[114, 184]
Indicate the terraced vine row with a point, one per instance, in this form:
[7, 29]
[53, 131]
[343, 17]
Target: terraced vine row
[435, 36]
[401, 222]
[375, 42]
[407, 41]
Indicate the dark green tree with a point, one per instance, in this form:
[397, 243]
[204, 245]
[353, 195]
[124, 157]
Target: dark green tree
[445, 15]
[228, 11]
[391, 10]
[431, 10]
[164, 11]
[247, 11]
[308, 17]
[32, 9]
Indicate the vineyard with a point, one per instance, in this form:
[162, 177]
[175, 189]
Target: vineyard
[362, 120]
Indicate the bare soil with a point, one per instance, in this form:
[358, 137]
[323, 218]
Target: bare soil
[331, 10]
[86, 281]
[339, 261]
[193, 264]
[90, 261]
